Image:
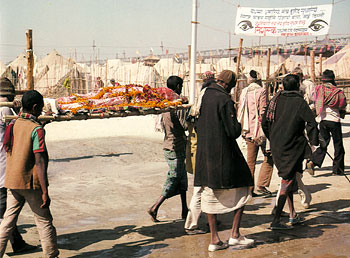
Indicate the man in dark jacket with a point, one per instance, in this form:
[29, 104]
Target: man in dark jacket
[284, 122]
[221, 169]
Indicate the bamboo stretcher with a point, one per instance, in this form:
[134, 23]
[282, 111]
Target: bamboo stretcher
[102, 115]
[6, 104]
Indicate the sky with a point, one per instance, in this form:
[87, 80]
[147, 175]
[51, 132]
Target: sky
[135, 27]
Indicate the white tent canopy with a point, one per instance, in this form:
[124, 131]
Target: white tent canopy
[2, 67]
[49, 70]
[339, 63]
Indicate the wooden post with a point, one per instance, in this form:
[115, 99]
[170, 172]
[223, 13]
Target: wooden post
[229, 49]
[268, 74]
[312, 57]
[239, 56]
[106, 84]
[189, 56]
[237, 68]
[30, 60]
[187, 91]
[320, 60]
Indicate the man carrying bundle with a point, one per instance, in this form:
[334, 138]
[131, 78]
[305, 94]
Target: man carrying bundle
[174, 146]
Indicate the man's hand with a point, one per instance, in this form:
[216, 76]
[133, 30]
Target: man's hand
[46, 122]
[184, 99]
[46, 201]
[323, 144]
[17, 104]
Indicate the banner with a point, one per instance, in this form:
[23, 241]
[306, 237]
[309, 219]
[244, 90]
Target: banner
[285, 22]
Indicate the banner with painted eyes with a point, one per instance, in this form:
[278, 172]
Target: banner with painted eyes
[285, 22]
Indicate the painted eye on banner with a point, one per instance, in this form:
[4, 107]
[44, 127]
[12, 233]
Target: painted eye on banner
[245, 25]
[317, 25]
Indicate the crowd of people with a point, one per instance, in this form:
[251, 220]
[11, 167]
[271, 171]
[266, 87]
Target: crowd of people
[283, 128]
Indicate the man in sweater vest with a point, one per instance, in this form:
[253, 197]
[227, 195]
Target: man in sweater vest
[26, 174]
[7, 94]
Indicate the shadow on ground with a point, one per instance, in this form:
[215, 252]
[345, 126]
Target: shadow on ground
[320, 217]
[154, 233]
[89, 157]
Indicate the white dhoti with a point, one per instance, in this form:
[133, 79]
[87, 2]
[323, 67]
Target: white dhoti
[219, 201]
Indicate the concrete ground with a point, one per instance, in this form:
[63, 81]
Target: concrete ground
[105, 174]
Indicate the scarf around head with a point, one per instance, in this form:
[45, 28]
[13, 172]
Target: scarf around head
[328, 94]
[8, 136]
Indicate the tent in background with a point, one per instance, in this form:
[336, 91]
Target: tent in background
[49, 71]
[339, 63]
[2, 68]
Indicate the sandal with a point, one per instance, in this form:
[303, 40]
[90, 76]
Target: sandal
[219, 246]
[195, 231]
[296, 220]
[242, 241]
[280, 226]
[263, 191]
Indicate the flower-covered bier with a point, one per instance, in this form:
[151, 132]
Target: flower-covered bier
[119, 97]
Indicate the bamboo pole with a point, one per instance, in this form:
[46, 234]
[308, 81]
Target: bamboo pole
[189, 55]
[237, 68]
[239, 56]
[312, 57]
[320, 60]
[194, 23]
[140, 112]
[106, 72]
[268, 73]
[7, 104]
[187, 90]
[229, 49]
[30, 60]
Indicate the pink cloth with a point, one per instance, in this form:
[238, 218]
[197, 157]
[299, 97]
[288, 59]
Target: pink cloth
[261, 104]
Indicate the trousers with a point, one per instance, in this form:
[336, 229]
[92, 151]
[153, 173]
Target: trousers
[266, 169]
[42, 217]
[16, 239]
[194, 210]
[330, 129]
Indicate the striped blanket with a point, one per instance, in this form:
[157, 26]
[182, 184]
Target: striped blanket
[328, 94]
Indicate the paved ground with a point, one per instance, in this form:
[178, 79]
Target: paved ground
[104, 174]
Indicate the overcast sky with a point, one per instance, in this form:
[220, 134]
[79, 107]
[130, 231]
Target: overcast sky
[134, 26]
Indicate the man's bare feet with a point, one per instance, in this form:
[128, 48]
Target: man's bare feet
[153, 215]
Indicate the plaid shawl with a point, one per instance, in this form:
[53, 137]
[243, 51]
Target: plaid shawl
[328, 94]
[271, 108]
[8, 137]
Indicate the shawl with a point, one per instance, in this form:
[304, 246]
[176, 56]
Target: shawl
[328, 94]
[195, 109]
[242, 114]
[8, 137]
[271, 108]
